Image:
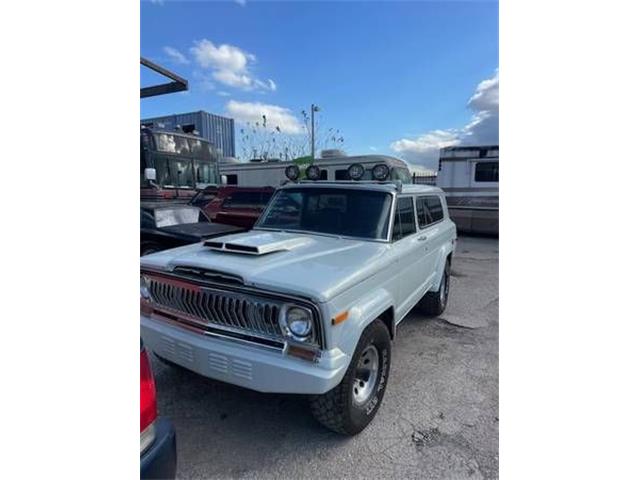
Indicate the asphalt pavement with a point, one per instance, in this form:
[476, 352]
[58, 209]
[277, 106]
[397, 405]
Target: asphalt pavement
[438, 420]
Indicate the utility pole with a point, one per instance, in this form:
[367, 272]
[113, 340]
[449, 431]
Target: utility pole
[314, 108]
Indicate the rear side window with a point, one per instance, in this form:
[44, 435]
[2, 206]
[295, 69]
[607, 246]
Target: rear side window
[243, 200]
[434, 205]
[404, 223]
[486, 172]
[429, 210]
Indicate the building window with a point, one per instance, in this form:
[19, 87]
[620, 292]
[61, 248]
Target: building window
[486, 172]
[404, 223]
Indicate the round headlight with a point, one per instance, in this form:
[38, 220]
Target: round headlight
[380, 172]
[313, 172]
[299, 321]
[292, 172]
[144, 287]
[356, 171]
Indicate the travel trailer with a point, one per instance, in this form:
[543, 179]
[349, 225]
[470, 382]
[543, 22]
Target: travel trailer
[333, 165]
[469, 177]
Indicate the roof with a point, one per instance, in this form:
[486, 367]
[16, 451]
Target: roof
[366, 185]
[328, 161]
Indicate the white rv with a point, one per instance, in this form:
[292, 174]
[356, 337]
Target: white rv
[333, 165]
[469, 177]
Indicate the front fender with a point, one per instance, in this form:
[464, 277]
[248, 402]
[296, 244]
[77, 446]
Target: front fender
[361, 313]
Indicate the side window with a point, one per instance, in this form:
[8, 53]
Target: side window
[232, 179]
[405, 223]
[421, 210]
[429, 210]
[323, 174]
[434, 205]
[486, 172]
[242, 200]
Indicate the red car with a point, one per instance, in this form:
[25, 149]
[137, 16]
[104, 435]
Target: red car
[157, 434]
[239, 206]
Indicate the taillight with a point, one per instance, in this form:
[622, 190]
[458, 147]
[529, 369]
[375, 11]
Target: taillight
[148, 408]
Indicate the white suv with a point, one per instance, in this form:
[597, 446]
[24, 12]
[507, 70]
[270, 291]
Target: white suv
[308, 301]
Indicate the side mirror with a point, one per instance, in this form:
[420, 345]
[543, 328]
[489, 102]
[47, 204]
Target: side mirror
[223, 179]
[150, 174]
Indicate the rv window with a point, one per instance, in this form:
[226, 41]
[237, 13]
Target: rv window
[405, 223]
[323, 175]
[342, 175]
[232, 179]
[486, 172]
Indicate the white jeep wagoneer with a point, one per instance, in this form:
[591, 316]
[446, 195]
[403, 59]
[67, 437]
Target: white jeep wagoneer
[309, 300]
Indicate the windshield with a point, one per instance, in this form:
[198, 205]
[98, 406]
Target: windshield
[335, 211]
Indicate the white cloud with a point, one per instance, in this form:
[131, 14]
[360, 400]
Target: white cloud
[424, 150]
[176, 56]
[229, 65]
[252, 112]
[240, 2]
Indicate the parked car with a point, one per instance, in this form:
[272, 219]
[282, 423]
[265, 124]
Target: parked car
[203, 197]
[309, 300]
[157, 434]
[164, 225]
[239, 206]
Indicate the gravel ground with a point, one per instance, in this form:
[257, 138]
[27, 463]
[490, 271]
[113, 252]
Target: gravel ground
[439, 417]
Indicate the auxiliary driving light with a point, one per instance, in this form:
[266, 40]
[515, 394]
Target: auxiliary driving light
[313, 172]
[380, 172]
[292, 172]
[356, 171]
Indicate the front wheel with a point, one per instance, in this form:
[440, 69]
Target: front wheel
[351, 405]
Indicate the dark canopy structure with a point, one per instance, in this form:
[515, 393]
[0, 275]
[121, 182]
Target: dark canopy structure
[177, 84]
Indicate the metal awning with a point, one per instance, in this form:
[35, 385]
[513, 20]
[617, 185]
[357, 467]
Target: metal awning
[178, 84]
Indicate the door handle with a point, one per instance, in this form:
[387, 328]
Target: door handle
[422, 238]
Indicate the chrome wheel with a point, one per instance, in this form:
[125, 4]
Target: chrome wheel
[366, 375]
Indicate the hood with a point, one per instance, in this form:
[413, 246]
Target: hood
[315, 266]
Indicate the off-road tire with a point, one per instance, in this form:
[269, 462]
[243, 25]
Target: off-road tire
[433, 304]
[337, 409]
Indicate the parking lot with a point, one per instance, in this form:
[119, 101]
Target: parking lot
[439, 417]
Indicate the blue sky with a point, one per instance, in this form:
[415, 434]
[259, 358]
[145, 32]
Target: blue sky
[401, 78]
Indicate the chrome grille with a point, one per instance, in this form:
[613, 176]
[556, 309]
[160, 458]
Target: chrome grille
[238, 312]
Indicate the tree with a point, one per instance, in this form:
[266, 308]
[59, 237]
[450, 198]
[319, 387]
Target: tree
[262, 140]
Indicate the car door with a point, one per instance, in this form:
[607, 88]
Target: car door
[408, 250]
[430, 212]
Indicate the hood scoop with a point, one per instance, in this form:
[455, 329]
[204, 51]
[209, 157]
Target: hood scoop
[257, 244]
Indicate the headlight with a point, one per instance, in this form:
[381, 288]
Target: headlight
[299, 322]
[144, 287]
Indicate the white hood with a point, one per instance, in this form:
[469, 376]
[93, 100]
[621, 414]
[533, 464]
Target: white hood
[314, 266]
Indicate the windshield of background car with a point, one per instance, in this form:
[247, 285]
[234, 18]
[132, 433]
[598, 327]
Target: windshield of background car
[334, 211]
[167, 217]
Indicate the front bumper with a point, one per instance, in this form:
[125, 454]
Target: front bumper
[254, 367]
[159, 460]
